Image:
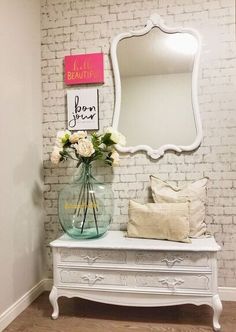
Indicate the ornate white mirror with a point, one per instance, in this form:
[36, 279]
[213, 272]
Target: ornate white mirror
[155, 73]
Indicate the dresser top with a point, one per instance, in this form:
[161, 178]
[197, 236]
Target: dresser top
[118, 240]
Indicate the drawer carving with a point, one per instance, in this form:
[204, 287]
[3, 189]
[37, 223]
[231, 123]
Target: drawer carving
[92, 257]
[171, 283]
[171, 260]
[90, 260]
[92, 278]
[187, 282]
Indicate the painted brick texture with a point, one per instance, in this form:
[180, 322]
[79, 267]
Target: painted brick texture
[73, 27]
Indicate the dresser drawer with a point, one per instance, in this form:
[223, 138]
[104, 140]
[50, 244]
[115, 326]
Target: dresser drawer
[92, 256]
[91, 278]
[174, 260]
[174, 282]
[142, 259]
[134, 280]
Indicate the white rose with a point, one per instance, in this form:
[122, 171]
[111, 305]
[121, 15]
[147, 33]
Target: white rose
[84, 148]
[116, 137]
[62, 137]
[74, 138]
[82, 134]
[115, 158]
[55, 156]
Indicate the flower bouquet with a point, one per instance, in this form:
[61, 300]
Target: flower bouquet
[85, 149]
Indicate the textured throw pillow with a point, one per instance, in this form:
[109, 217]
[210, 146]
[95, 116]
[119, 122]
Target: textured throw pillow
[159, 221]
[195, 193]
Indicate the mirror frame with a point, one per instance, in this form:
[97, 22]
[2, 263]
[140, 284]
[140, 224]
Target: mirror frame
[156, 21]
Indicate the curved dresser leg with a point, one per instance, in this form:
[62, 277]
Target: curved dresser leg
[53, 301]
[217, 307]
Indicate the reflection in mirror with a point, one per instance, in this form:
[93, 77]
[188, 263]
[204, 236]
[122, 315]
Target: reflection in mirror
[157, 110]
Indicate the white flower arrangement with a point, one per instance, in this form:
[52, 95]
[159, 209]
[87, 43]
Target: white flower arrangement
[86, 148]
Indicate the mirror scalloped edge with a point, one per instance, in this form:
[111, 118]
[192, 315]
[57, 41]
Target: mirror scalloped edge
[156, 21]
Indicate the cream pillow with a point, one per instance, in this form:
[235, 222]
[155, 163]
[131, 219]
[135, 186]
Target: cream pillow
[163, 221]
[195, 193]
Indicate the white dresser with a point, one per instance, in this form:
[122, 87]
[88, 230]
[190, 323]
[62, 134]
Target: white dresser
[136, 272]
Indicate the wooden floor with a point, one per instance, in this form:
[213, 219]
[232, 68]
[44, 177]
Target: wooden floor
[77, 315]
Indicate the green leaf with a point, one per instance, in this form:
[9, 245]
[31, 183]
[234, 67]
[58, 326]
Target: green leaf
[64, 155]
[96, 141]
[106, 139]
[108, 162]
[98, 155]
[67, 144]
[65, 139]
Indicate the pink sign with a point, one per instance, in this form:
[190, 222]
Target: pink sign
[84, 68]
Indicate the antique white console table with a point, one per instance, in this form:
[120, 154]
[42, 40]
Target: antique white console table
[136, 272]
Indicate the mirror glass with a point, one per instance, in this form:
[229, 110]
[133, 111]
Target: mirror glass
[156, 106]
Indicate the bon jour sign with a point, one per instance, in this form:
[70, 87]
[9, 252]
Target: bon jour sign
[82, 107]
[84, 68]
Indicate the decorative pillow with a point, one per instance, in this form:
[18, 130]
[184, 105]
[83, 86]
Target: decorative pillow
[195, 193]
[163, 221]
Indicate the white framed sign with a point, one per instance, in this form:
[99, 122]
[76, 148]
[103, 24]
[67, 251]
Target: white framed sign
[83, 109]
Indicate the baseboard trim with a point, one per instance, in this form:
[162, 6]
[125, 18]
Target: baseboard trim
[226, 294]
[21, 304]
[48, 283]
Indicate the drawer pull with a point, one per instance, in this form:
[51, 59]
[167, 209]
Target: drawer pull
[92, 279]
[90, 260]
[171, 284]
[171, 262]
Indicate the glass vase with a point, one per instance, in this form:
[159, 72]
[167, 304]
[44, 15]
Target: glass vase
[85, 206]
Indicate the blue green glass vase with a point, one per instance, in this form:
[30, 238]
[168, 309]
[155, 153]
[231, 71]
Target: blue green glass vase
[85, 205]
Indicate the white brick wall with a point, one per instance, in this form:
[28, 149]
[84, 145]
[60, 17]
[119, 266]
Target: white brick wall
[78, 26]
